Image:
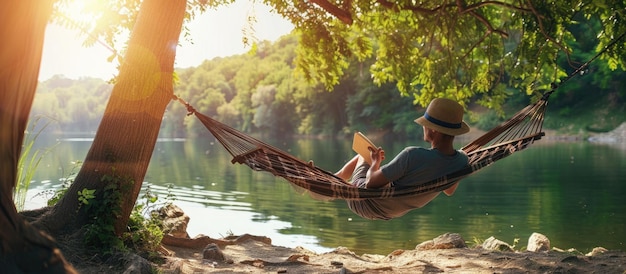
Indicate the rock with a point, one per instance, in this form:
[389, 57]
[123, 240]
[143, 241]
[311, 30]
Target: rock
[444, 241]
[175, 221]
[135, 264]
[597, 251]
[343, 250]
[213, 253]
[495, 244]
[538, 242]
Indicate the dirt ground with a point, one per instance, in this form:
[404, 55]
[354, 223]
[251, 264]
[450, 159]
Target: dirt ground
[253, 256]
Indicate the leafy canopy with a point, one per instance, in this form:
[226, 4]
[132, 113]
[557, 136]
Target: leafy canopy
[451, 48]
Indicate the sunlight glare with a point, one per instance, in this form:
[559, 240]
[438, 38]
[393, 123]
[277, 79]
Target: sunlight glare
[82, 14]
[74, 11]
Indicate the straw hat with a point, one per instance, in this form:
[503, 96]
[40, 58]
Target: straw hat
[445, 116]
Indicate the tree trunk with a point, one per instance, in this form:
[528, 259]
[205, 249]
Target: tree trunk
[22, 26]
[126, 136]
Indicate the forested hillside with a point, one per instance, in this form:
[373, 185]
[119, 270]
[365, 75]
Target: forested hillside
[261, 93]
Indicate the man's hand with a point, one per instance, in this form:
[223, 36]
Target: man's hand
[377, 154]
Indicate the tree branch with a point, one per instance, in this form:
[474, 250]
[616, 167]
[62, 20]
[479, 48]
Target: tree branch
[488, 25]
[495, 3]
[418, 9]
[343, 14]
[471, 9]
[543, 31]
[336, 11]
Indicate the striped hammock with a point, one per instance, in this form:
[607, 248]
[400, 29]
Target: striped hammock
[511, 136]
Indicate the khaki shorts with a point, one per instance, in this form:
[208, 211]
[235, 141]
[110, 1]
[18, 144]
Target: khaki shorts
[359, 175]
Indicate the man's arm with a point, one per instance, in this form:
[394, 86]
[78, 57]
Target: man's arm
[375, 177]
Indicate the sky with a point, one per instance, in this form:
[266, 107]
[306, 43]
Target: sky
[216, 33]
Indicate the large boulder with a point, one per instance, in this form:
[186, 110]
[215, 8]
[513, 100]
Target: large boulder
[174, 220]
[538, 242]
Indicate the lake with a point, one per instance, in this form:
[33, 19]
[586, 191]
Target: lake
[572, 192]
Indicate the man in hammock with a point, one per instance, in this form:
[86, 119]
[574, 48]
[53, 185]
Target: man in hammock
[442, 121]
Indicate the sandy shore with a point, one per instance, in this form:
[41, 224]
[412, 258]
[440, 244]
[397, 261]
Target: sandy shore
[449, 253]
[251, 255]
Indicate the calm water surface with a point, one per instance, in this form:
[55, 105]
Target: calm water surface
[571, 192]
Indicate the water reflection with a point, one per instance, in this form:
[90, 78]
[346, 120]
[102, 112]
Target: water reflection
[571, 192]
[196, 194]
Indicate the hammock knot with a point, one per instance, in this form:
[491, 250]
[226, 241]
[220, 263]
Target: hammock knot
[190, 109]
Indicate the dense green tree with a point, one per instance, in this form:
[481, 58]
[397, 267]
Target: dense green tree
[263, 103]
[58, 99]
[458, 49]
[396, 115]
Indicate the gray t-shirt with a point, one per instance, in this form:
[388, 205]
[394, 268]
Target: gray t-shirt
[415, 165]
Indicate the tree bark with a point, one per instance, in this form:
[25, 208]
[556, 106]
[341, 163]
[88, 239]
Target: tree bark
[126, 136]
[22, 27]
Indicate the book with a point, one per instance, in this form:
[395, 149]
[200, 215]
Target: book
[360, 145]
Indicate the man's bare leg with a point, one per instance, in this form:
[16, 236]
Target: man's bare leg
[346, 171]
